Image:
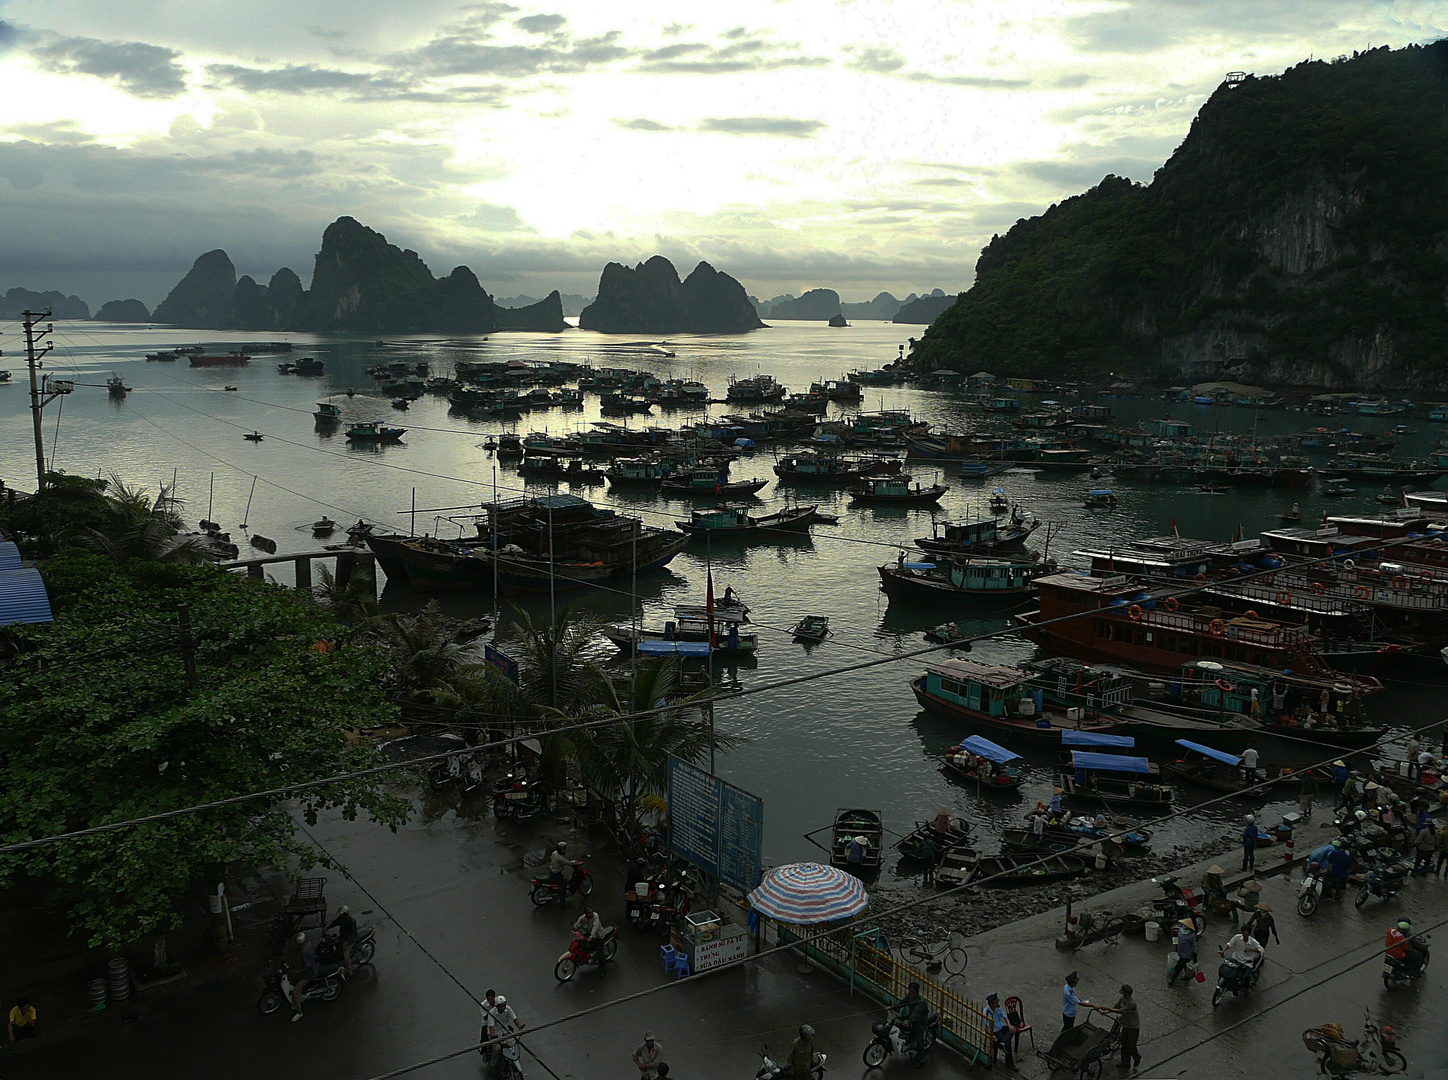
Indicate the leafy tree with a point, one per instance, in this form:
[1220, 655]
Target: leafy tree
[133, 527]
[353, 603]
[102, 727]
[428, 648]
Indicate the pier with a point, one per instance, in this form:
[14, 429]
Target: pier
[353, 561]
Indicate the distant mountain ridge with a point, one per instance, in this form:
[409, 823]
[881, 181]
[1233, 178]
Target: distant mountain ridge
[17, 301]
[650, 299]
[122, 311]
[1298, 235]
[820, 304]
[573, 304]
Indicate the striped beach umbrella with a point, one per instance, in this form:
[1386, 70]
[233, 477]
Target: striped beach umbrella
[806, 894]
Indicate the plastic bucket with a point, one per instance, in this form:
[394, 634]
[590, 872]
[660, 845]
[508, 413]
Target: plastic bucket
[1101, 861]
[1153, 931]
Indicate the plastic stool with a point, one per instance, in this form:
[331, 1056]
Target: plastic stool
[681, 965]
[667, 954]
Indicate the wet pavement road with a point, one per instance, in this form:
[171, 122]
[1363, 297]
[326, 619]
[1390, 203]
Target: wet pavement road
[449, 902]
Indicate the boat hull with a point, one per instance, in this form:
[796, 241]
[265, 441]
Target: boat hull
[1018, 728]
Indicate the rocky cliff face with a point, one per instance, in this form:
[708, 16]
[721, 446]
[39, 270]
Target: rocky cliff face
[816, 305]
[650, 299]
[122, 311]
[204, 297]
[923, 309]
[1298, 235]
[545, 314]
[884, 306]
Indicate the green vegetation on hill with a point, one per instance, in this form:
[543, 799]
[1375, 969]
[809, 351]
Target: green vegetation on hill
[1299, 232]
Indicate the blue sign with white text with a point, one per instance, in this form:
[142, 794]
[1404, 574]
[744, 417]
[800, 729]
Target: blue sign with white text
[715, 825]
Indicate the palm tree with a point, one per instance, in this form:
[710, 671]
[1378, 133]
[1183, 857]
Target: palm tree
[428, 648]
[354, 603]
[132, 528]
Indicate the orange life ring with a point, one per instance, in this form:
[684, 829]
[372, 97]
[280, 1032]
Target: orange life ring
[1200, 579]
[1400, 582]
[1170, 603]
[1269, 579]
[1224, 686]
[1284, 597]
[1425, 576]
[1250, 614]
[1317, 587]
[1361, 592]
[1217, 627]
[1134, 613]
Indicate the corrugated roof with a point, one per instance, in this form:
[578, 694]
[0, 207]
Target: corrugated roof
[23, 598]
[9, 555]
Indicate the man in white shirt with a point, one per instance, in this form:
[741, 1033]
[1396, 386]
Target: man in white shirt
[1243, 948]
[1249, 765]
[498, 1018]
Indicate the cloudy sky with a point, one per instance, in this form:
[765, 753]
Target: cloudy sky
[857, 144]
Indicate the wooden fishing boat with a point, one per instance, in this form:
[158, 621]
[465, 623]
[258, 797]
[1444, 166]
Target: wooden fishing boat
[977, 537]
[691, 625]
[1204, 767]
[985, 766]
[371, 431]
[327, 413]
[852, 823]
[997, 697]
[964, 865]
[1116, 780]
[1075, 831]
[959, 580]
[736, 523]
[896, 491]
[832, 470]
[926, 843]
[1101, 498]
[324, 526]
[710, 482]
[253, 436]
[811, 628]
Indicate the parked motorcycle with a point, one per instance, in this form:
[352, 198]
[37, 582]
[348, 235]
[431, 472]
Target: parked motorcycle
[326, 987]
[1309, 893]
[770, 1070]
[659, 905]
[520, 798]
[889, 1037]
[1177, 903]
[583, 950]
[1383, 882]
[1236, 977]
[1375, 1054]
[545, 890]
[329, 947]
[1400, 974]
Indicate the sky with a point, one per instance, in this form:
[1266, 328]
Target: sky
[852, 144]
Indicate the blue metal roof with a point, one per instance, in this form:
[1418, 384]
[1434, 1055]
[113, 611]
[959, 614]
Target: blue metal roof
[1094, 738]
[23, 598]
[673, 648]
[1084, 759]
[1216, 755]
[989, 750]
[9, 556]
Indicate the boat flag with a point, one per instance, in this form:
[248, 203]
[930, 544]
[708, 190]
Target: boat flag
[1173, 525]
[1238, 538]
[709, 605]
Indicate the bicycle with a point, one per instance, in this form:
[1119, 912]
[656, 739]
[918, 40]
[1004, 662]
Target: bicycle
[933, 956]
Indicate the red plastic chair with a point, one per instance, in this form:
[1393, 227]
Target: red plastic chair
[1015, 1007]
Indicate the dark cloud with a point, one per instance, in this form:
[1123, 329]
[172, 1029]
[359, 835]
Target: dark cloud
[353, 85]
[541, 24]
[451, 54]
[1071, 82]
[877, 59]
[744, 52]
[148, 71]
[641, 124]
[8, 34]
[761, 125]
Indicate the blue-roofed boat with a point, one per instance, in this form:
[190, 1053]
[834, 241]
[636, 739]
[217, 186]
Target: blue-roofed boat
[1101, 498]
[1207, 767]
[986, 766]
[1117, 780]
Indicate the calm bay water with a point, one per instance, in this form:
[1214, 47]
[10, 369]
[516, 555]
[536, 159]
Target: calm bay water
[855, 739]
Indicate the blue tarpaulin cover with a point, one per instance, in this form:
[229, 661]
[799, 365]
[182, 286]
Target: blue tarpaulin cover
[1084, 759]
[1094, 738]
[1216, 755]
[920, 566]
[673, 648]
[989, 750]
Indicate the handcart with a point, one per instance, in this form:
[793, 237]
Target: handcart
[1080, 1050]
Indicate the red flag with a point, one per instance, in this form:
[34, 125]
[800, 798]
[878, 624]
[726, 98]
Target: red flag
[1173, 525]
[709, 606]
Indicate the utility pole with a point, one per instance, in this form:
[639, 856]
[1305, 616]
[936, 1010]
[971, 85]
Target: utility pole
[32, 359]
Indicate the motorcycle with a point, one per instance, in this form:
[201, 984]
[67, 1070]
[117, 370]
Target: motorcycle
[889, 1038]
[327, 986]
[521, 799]
[1398, 975]
[1309, 893]
[582, 950]
[1236, 977]
[545, 890]
[329, 947]
[769, 1070]
[658, 905]
[1177, 903]
[1376, 1053]
[1381, 881]
[510, 1058]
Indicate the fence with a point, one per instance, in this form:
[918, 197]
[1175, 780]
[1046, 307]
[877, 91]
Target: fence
[863, 958]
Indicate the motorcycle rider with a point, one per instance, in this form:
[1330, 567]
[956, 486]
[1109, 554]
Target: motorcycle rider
[801, 1055]
[913, 1016]
[1406, 949]
[590, 927]
[302, 964]
[1243, 949]
[561, 867]
[346, 928]
[498, 1017]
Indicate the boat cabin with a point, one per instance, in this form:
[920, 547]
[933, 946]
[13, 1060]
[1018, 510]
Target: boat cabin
[994, 689]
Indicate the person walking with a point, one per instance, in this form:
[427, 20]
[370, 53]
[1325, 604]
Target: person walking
[1305, 796]
[1000, 1026]
[1186, 949]
[1250, 836]
[1130, 1014]
[801, 1055]
[1424, 844]
[1261, 923]
[1070, 1001]
[648, 1056]
[1339, 863]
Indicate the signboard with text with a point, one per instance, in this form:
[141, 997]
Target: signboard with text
[715, 825]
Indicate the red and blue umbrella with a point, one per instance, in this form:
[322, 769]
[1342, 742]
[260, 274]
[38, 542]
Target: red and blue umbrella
[807, 894]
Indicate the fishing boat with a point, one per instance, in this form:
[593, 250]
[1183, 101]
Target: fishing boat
[963, 579]
[116, 387]
[400, 402]
[811, 628]
[326, 413]
[308, 365]
[165, 355]
[1205, 767]
[977, 537]
[230, 389]
[967, 866]
[1321, 707]
[637, 473]
[756, 391]
[719, 629]
[927, 844]
[1100, 498]
[829, 470]
[1116, 780]
[709, 481]
[373, 431]
[4, 375]
[736, 523]
[997, 697]
[999, 504]
[981, 470]
[985, 766]
[231, 359]
[324, 526]
[1072, 832]
[864, 825]
[896, 491]
[286, 367]
[253, 436]
[508, 448]
[1295, 514]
